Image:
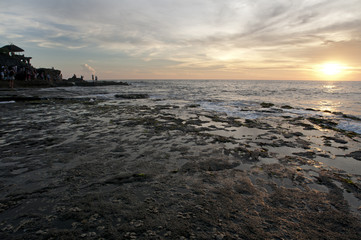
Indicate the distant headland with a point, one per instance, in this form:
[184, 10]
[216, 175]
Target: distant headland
[16, 71]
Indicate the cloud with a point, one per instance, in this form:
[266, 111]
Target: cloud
[188, 33]
[142, 23]
[88, 69]
[347, 52]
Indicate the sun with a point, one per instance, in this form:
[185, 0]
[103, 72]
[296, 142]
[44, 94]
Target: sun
[331, 69]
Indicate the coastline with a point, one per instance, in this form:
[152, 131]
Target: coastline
[134, 168]
[59, 83]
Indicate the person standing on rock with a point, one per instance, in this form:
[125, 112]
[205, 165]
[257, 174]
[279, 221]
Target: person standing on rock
[28, 75]
[11, 78]
[2, 74]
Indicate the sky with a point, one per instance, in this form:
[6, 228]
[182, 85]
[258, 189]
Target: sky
[189, 39]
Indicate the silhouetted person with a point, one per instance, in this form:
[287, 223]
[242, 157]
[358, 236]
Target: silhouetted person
[11, 78]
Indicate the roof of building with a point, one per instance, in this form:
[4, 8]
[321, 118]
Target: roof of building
[11, 48]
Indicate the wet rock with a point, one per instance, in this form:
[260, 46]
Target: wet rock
[98, 83]
[287, 107]
[137, 223]
[343, 147]
[335, 139]
[324, 155]
[308, 154]
[351, 117]
[298, 134]
[195, 122]
[244, 186]
[75, 209]
[356, 155]
[193, 105]
[119, 149]
[267, 105]
[250, 156]
[127, 178]
[209, 165]
[308, 127]
[324, 123]
[223, 139]
[303, 143]
[282, 143]
[18, 98]
[234, 122]
[257, 124]
[219, 236]
[299, 122]
[132, 96]
[292, 134]
[287, 135]
[41, 232]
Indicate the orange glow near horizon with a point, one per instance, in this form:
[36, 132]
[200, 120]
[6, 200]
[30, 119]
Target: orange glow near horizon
[332, 70]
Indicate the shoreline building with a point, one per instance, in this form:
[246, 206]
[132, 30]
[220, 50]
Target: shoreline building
[9, 56]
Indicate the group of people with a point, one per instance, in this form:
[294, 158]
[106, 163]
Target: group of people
[94, 78]
[10, 73]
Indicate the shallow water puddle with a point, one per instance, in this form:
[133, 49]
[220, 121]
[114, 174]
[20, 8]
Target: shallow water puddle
[354, 203]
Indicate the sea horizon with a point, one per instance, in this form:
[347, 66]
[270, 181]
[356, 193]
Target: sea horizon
[190, 79]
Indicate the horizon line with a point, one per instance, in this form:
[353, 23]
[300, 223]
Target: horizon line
[205, 79]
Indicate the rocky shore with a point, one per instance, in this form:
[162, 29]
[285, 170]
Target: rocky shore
[38, 83]
[135, 168]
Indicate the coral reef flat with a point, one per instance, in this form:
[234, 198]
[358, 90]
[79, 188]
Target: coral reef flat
[38, 83]
[139, 168]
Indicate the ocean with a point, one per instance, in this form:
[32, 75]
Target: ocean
[242, 98]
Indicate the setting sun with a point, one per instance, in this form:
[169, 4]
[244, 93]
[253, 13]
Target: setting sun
[331, 69]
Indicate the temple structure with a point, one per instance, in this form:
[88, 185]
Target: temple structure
[9, 56]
